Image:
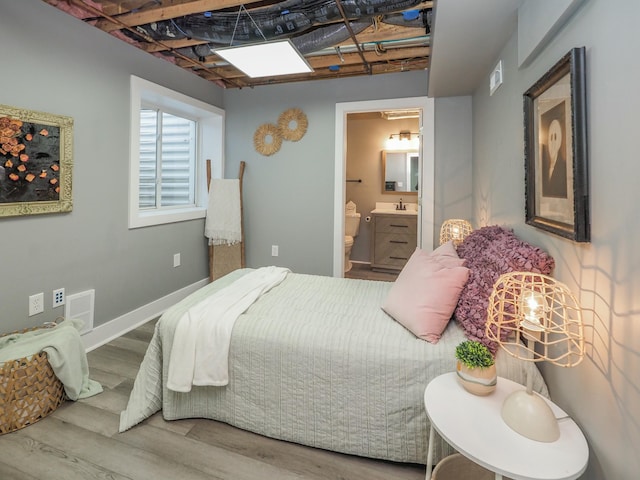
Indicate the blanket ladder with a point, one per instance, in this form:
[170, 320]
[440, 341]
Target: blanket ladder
[224, 259]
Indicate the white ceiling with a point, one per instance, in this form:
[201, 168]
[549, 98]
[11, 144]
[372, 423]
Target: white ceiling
[466, 41]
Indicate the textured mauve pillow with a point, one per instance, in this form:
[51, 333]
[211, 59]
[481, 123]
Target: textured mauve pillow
[424, 295]
[490, 252]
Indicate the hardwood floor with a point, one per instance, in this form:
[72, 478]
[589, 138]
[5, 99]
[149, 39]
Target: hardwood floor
[363, 271]
[80, 440]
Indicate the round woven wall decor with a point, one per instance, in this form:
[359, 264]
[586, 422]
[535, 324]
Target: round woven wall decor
[267, 139]
[293, 117]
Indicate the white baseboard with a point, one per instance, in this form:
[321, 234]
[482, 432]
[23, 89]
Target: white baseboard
[118, 326]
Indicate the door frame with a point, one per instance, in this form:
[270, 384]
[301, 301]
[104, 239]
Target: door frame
[426, 197]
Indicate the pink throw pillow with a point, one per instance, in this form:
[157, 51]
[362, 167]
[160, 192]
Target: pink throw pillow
[447, 254]
[425, 294]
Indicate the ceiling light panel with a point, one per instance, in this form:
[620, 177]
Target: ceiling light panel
[266, 59]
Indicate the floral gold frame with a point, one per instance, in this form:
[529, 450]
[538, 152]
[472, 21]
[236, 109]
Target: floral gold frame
[36, 161]
[556, 162]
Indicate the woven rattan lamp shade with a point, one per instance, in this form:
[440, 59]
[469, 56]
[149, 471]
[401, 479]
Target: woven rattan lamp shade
[454, 229]
[535, 318]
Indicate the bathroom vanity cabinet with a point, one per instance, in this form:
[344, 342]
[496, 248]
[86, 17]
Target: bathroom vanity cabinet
[393, 241]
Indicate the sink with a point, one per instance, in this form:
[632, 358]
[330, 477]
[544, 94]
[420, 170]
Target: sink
[387, 208]
[393, 211]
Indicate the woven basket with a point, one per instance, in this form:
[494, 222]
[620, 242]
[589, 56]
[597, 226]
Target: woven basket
[29, 391]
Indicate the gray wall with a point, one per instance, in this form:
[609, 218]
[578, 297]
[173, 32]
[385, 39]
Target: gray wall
[289, 195]
[602, 393]
[54, 63]
[453, 160]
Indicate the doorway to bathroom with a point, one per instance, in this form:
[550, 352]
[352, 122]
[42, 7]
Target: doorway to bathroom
[365, 136]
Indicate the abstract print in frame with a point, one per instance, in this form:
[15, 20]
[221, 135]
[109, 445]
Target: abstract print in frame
[36, 160]
[556, 163]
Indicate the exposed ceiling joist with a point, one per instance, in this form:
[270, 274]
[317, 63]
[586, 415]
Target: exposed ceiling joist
[393, 41]
[166, 13]
[326, 61]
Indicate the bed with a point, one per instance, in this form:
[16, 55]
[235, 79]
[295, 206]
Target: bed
[315, 361]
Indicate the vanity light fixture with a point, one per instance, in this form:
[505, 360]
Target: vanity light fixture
[405, 140]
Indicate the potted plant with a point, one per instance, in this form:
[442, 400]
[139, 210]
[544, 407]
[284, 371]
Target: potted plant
[476, 367]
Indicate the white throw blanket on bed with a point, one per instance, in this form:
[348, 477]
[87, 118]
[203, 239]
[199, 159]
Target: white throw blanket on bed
[223, 225]
[200, 351]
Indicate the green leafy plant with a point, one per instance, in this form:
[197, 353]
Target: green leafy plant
[474, 354]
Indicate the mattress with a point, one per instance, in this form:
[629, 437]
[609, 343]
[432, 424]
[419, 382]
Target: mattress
[315, 361]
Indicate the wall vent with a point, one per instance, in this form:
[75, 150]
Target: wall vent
[80, 306]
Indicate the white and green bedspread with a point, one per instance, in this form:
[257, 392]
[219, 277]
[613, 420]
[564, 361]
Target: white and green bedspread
[317, 362]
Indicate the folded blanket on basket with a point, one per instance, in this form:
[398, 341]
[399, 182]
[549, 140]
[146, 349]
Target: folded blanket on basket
[65, 353]
[223, 225]
[200, 351]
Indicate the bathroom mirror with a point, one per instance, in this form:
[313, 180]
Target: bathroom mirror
[400, 171]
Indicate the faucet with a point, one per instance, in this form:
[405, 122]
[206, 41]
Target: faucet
[400, 206]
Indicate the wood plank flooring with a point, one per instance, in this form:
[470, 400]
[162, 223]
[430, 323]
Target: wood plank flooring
[80, 440]
[362, 271]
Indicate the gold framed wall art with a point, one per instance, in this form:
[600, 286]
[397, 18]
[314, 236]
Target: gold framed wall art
[36, 161]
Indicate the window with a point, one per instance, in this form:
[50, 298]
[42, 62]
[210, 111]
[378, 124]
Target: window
[167, 160]
[171, 136]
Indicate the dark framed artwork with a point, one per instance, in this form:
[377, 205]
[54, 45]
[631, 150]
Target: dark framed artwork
[556, 161]
[36, 160]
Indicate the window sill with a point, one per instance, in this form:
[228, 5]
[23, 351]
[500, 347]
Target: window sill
[141, 219]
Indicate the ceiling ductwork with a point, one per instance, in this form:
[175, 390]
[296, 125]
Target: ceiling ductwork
[282, 20]
[338, 38]
[327, 36]
[308, 24]
[323, 37]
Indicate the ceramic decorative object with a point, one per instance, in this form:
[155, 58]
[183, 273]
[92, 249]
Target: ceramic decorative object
[478, 380]
[476, 368]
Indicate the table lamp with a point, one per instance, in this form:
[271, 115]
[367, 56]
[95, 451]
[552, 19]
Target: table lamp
[535, 318]
[454, 229]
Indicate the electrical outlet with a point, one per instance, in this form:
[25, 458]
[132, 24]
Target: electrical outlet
[274, 250]
[176, 260]
[36, 304]
[58, 297]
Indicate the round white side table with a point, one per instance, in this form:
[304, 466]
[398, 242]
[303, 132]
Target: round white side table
[474, 427]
